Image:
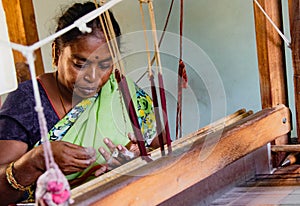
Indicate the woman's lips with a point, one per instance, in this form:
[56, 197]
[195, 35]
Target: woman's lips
[87, 90]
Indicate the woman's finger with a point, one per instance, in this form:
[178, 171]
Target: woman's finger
[72, 158]
[101, 170]
[125, 154]
[132, 138]
[111, 160]
[111, 146]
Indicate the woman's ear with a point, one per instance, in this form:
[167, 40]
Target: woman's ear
[55, 54]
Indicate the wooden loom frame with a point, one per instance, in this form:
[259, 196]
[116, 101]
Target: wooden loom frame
[238, 138]
[135, 182]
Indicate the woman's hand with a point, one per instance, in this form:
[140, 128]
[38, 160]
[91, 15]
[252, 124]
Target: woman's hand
[72, 158]
[119, 154]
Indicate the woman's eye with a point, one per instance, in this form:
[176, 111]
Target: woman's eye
[79, 66]
[104, 65]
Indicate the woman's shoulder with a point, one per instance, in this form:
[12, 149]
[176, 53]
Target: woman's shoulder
[18, 110]
[24, 92]
[24, 87]
[22, 98]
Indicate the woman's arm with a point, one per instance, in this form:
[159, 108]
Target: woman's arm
[28, 166]
[24, 170]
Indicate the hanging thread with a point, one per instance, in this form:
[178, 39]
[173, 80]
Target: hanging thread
[161, 37]
[161, 134]
[182, 78]
[122, 82]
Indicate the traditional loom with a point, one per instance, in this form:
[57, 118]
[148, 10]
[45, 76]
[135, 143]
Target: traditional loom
[214, 159]
[209, 162]
[199, 159]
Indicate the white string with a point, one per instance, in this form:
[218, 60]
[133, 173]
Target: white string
[274, 25]
[39, 109]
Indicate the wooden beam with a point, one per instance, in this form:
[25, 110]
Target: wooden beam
[22, 29]
[285, 148]
[295, 34]
[221, 123]
[271, 62]
[192, 160]
[270, 54]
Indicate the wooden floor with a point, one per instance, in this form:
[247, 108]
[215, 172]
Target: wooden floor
[280, 188]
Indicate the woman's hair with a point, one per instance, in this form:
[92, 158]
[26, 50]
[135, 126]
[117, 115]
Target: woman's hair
[73, 13]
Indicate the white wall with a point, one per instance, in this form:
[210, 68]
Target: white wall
[219, 51]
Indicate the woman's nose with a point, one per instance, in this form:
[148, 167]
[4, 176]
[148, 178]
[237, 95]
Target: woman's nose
[90, 74]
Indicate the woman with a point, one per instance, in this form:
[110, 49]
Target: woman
[83, 108]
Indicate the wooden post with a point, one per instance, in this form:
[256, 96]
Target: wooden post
[290, 3]
[271, 62]
[22, 28]
[295, 34]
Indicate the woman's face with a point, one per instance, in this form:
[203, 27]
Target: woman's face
[85, 66]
